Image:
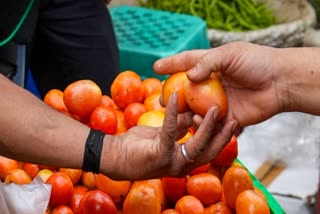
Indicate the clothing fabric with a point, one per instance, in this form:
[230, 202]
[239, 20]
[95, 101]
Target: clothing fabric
[68, 40]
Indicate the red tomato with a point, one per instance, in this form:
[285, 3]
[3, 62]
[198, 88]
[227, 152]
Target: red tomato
[174, 187]
[62, 209]
[200, 169]
[104, 119]
[61, 189]
[79, 191]
[201, 96]
[228, 154]
[96, 202]
[132, 113]
[31, 169]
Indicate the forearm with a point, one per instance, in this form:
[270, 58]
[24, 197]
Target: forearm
[32, 131]
[298, 79]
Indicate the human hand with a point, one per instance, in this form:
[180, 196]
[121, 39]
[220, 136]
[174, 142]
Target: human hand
[149, 152]
[247, 72]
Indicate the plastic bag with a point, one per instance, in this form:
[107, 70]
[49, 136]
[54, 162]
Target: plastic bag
[31, 198]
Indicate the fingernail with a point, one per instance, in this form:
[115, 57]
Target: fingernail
[174, 97]
[234, 127]
[191, 71]
[216, 112]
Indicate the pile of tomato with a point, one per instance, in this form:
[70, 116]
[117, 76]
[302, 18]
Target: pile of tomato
[221, 186]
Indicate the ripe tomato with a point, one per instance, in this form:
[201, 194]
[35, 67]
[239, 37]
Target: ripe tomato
[174, 187]
[235, 180]
[189, 204]
[201, 96]
[106, 101]
[127, 88]
[117, 190]
[175, 82]
[151, 118]
[82, 97]
[96, 202]
[18, 176]
[74, 174]
[151, 86]
[170, 211]
[250, 202]
[228, 154]
[61, 189]
[31, 169]
[218, 208]
[54, 98]
[104, 119]
[121, 121]
[185, 137]
[201, 169]
[132, 113]
[79, 191]
[206, 187]
[152, 103]
[62, 209]
[7, 165]
[88, 180]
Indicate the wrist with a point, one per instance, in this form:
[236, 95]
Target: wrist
[109, 156]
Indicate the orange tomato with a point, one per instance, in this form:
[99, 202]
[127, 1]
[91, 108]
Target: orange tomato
[31, 169]
[174, 187]
[127, 88]
[201, 96]
[104, 119]
[151, 118]
[18, 176]
[107, 101]
[175, 83]
[82, 97]
[170, 211]
[54, 98]
[117, 190]
[235, 180]
[218, 208]
[121, 121]
[250, 202]
[228, 154]
[206, 187]
[142, 198]
[152, 102]
[260, 192]
[6, 166]
[185, 138]
[151, 86]
[88, 180]
[62, 209]
[61, 189]
[201, 169]
[132, 113]
[96, 202]
[189, 204]
[74, 174]
[79, 191]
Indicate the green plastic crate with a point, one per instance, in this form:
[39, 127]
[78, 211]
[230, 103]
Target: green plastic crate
[146, 35]
[274, 206]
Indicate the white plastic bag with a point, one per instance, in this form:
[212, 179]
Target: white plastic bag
[31, 198]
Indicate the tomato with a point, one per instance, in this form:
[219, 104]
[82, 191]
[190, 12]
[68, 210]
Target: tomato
[107, 101]
[152, 103]
[61, 189]
[218, 208]
[104, 119]
[170, 211]
[189, 204]
[117, 190]
[151, 86]
[79, 192]
[228, 154]
[54, 98]
[206, 187]
[235, 180]
[44, 174]
[18, 176]
[250, 202]
[7, 165]
[201, 96]
[121, 122]
[175, 83]
[88, 180]
[74, 174]
[200, 169]
[31, 169]
[151, 118]
[82, 97]
[62, 209]
[132, 113]
[96, 202]
[174, 187]
[127, 88]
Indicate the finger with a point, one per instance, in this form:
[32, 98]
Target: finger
[183, 124]
[209, 62]
[179, 62]
[221, 139]
[168, 132]
[198, 142]
[197, 120]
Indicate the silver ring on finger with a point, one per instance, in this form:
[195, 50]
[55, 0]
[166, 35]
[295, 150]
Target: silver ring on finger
[185, 154]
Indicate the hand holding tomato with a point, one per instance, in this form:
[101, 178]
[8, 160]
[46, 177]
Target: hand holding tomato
[246, 71]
